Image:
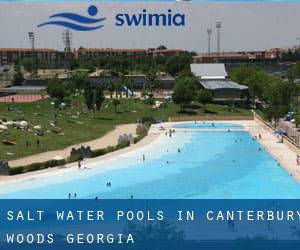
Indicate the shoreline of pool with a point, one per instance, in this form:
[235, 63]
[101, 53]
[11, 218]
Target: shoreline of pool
[71, 167]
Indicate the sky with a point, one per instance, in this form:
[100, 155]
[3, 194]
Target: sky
[245, 26]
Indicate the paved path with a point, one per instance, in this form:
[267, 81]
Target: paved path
[109, 139]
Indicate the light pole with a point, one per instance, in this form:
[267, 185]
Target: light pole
[218, 26]
[32, 40]
[209, 31]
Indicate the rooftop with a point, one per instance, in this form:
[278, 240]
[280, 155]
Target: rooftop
[209, 70]
[221, 84]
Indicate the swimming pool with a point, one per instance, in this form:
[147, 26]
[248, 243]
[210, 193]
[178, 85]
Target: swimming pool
[209, 165]
[208, 125]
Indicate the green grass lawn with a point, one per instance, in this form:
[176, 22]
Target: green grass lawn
[83, 129]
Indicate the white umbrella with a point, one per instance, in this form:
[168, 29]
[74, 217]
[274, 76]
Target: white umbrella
[37, 127]
[23, 124]
[3, 127]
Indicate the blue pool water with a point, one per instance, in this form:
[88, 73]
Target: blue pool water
[210, 165]
[208, 125]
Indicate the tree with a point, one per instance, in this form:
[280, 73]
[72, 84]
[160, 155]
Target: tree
[28, 64]
[55, 89]
[18, 77]
[161, 47]
[151, 79]
[111, 88]
[184, 91]
[204, 97]
[296, 70]
[94, 98]
[79, 80]
[74, 64]
[116, 103]
[89, 65]
[177, 64]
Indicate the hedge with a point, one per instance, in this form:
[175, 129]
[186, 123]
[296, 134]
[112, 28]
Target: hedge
[36, 166]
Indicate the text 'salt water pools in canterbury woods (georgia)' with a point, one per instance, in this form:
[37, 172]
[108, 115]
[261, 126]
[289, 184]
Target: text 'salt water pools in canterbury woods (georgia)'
[189, 165]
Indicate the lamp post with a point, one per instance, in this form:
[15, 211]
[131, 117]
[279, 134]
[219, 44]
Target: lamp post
[209, 31]
[32, 40]
[218, 26]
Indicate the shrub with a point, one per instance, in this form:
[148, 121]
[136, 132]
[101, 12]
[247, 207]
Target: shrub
[98, 152]
[36, 166]
[74, 157]
[123, 144]
[147, 119]
[16, 170]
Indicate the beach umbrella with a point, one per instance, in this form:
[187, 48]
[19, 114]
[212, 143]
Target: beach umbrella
[23, 124]
[279, 132]
[3, 127]
[37, 127]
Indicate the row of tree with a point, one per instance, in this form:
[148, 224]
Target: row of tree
[78, 83]
[273, 95]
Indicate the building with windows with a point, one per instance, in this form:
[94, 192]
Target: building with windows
[11, 55]
[214, 78]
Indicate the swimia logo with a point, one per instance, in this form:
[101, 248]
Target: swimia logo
[75, 21]
[150, 19]
[88, 23]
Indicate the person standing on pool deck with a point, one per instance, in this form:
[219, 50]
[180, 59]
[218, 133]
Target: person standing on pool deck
[79, 164]
[144, 158]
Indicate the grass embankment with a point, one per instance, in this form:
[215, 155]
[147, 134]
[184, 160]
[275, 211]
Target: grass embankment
[84, 128]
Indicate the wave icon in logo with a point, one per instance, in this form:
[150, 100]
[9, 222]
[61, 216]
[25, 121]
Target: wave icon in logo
[75, 21]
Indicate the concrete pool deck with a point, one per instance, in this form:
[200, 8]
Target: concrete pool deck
[284, 153]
